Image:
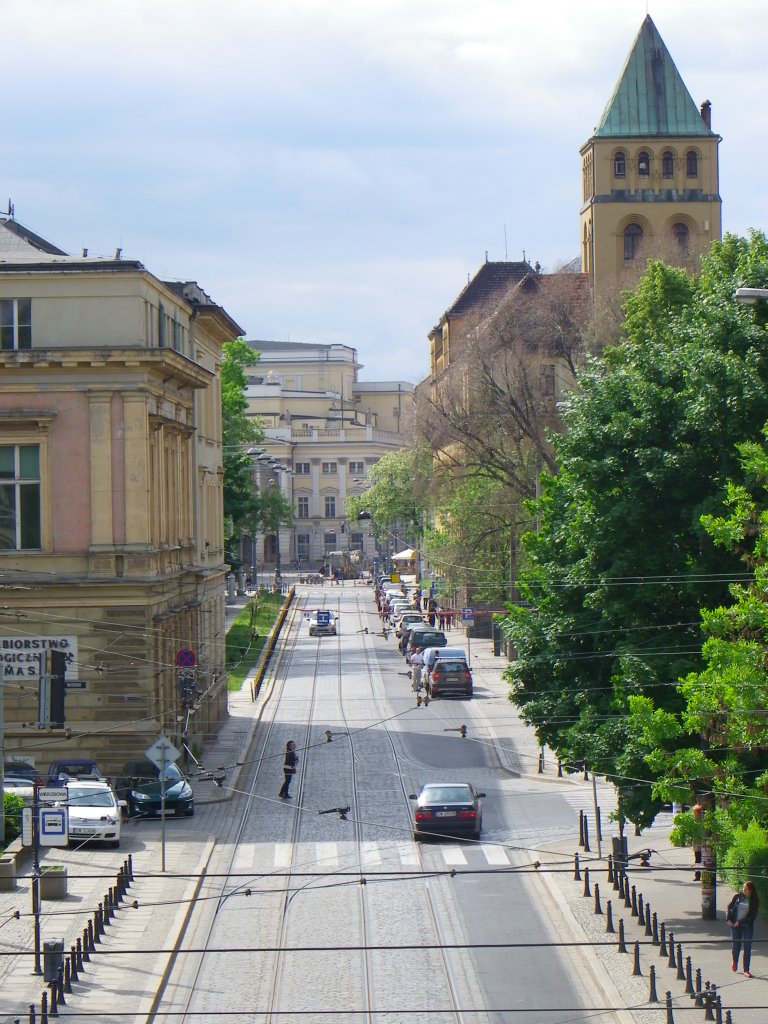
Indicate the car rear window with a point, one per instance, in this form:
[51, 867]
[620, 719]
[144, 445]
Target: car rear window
[445, 665]
[421, 638]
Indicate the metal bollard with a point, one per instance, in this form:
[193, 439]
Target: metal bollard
[662, 939]
[576, 872]
[640, 910]
[655, 930]
[728, 1018]
[680, 968]
[59, 984]
[672, 962]
[598, 825]
[53, 1004]
[670, 1018]
[652, 997]
[44, 1008]
[648, 930]
[73, 972]
[719, 1009]
[32, 1014]
[610, 868]
[709, 1002]
[67, 982]
[688, 977]
[581, 829]
[633, 902]
[586, 835]
[636, 964]
[622, 944]
[698, 995]
[80, 955]
[608, 917]
[87, 943]
[129, 865]
[618, 881]
[598, 908]
[587, 890]
[627, 900]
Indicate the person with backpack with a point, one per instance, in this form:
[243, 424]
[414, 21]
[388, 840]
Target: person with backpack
[741, 915]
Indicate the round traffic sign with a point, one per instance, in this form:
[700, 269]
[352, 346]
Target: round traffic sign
[185, 658]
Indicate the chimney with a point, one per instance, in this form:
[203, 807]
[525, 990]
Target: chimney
[706, 114]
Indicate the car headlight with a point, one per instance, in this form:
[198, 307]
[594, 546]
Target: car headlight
[108, 819]
[138, 795]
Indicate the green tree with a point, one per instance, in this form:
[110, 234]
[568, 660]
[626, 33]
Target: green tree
[239, 432]
[621, 563]
[396, 494]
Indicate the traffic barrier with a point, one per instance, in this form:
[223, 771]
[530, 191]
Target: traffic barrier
[688, 977]
[608, 917]
[652, 996]
[670, 1018]
[636, 972]
[672, 961]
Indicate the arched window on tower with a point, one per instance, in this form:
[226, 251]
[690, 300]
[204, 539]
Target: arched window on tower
[633, 239]
[620, 165]
[681, 235]
[667, 164]
[692, 164]
[643, 164]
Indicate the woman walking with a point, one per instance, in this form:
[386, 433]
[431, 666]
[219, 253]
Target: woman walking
[289, 769]
[740, 915]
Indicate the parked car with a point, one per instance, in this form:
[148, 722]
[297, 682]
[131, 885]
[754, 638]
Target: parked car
[431, 654]
[408, 618]
[94, 812]
[322, 622]
[447, 808]
[450, 677]
[61, 771]
[140, 786]
[420, 638]
[19, 785]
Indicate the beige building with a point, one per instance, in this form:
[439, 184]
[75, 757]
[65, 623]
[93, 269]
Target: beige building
[327, 428]
[110, 499]
[650, 177]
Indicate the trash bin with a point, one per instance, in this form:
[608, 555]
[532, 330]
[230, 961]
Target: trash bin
[53, 958]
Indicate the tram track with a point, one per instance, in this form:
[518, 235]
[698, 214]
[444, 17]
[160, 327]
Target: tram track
[362, 912]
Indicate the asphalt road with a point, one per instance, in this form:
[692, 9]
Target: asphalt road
[333, 899]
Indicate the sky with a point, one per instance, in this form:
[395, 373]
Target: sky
[333, 171]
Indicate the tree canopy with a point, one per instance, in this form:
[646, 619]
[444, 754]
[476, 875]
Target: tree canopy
[241, 509]
[621, 563]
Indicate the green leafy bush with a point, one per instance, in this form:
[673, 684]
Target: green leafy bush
[747, 857]
[13, 806]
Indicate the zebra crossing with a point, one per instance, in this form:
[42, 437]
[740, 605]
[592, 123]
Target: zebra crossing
[381, 856]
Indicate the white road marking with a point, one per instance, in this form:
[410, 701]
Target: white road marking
[453, 856]
[327, 855]
[495, 854]
[283, 855]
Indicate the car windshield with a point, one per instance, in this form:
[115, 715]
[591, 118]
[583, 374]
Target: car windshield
[446, 794]
[444, 665]
[83, 796]
[171, 774]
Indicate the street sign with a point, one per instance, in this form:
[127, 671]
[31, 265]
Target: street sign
[162, 752]
[53, 826]
[186, 658]
[467, 616]
[323, 618]
[52, 794]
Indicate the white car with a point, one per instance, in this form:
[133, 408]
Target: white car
[322, 623]
[94, 812]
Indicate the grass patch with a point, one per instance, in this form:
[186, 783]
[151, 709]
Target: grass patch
[248, 634]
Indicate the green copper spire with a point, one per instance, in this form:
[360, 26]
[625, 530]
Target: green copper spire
[650, 97]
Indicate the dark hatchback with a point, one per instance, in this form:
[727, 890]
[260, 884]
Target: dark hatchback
[419, 638]
[447, 809]
[450, 677]
[139, 785]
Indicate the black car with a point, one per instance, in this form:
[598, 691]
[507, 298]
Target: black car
[447, 809]
[450, 677]
[420, 637]
[140, 786]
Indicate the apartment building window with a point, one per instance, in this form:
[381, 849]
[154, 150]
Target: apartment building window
[667, 164]
[620, 165]
[330, 507]
[15, 324]
[633, 239]
[302, 468]
[329, 468]
[302, 546]
[329, 541]
[356, 468]
[19, 497]
[643, 164]
[302, 508]
[692, 164]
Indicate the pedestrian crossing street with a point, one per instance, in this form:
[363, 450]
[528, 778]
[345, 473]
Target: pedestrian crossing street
[383, 856]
